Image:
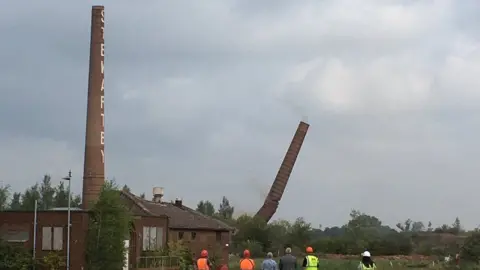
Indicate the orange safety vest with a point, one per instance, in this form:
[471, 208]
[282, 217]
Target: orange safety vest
[202, 264]
[247, 264]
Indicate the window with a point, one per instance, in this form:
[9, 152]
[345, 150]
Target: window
[47, 238]
[57, 238]
[180, 235]
[219, 236]
[14, 236]
[193, 235]
[52, 238]
[152, 238]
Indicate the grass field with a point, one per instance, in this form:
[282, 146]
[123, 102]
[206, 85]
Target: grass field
[334, 264]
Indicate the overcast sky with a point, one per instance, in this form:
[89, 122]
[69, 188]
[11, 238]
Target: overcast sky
[203, 97]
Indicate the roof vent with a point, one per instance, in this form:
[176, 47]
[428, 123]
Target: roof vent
[157, 194]
[178, 202]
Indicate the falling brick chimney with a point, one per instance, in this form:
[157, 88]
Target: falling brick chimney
[94, 160]
[272, 201]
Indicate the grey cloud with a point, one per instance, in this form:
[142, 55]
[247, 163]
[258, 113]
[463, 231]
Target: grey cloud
[200, 101]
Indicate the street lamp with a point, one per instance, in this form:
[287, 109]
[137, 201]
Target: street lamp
[68, 178]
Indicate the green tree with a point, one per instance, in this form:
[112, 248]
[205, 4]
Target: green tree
[4, 195]
[280, 229]
[406, 226]
[108, 228]
[76, 201]
[300, 233]
[252, 230]
[418, 226]
[60, 198]
[225, 211]
[47, 193]
[411, 226]
[29, 197]
[16, 204]
[206, 208]
[364, 231]
[456, 227]
[362, 220]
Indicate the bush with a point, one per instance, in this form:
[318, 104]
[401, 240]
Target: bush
[53, 261]
[470, 251]
[14, 257]
[179, 250]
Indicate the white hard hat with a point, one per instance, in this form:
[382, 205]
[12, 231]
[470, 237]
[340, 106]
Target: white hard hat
[366, 254]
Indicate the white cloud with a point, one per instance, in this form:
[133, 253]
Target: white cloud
[459, 73]
[396, 82]
[399, 82]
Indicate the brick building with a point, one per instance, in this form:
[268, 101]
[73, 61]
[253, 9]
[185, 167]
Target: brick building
[155, 223]
[196, 230]
[18, 227]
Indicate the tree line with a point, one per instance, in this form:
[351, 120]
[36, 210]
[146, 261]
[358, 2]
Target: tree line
[46, 195]
[361, 232]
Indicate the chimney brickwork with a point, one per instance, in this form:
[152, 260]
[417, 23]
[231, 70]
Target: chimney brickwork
[272, 201]
[94, 160]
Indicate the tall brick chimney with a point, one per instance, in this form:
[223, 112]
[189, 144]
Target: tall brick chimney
[272, 201]
[94, 160]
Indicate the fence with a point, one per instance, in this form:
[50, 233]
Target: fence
[158, 262]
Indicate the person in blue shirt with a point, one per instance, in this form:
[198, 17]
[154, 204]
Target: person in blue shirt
[269, 263]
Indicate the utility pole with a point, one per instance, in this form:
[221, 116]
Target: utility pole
[35, 234]
[69, 179]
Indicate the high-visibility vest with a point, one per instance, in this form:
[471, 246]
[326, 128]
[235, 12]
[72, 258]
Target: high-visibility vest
[202, 264]
[368, 268]
[312, 262]
[247, 264]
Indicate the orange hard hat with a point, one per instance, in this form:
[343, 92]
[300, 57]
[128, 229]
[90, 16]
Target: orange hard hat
[309, 250]
[246, 253]
[204, 253]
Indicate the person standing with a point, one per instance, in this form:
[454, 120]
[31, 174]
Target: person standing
[310, 262]
[203, 263]
[367, 262]
[246, 263]
[288, 261]
[269, 263]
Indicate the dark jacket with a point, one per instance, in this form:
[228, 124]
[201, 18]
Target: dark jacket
[287, 262]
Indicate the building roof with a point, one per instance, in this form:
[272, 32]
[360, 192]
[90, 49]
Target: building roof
[180, 217]
[65, 209]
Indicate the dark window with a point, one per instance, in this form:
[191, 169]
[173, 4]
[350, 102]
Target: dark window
[180, 235]
[219, 236]
[193, 235]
